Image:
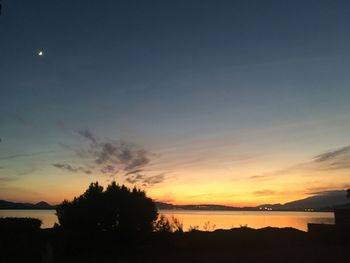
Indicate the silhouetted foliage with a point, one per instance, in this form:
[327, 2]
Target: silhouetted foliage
[165, 225]
[193, 228]
[208, 226]
[20, 239]
[117, 208]
[162, 225]
[348, 193]
[19, 224]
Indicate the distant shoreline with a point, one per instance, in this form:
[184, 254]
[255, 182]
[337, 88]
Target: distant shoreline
[199, 210]
[7, 205]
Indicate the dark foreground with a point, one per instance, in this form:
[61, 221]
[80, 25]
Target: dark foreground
[235, 245]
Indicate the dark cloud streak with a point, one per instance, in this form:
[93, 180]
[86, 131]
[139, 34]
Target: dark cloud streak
[87, 134]
[7, 179]
[23, 155]
[264, 193]
[331, 160]
[331, 155]
[112, 158]
[71, 168]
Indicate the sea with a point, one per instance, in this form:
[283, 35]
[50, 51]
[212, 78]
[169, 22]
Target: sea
[210, 220]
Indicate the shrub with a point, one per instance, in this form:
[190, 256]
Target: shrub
[19, 224]
[208, 226]
[117, 208]
[193, 228]
[20, 239]
[162, 225]
[166, 225]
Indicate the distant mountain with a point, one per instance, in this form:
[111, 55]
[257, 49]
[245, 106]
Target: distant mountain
[43, 205]
[165, 206]
[320, 201]
[324, 201]
[12, 205]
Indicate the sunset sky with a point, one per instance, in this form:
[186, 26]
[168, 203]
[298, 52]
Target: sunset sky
[236, 103]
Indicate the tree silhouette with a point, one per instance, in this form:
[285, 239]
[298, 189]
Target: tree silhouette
[117, 208]
[348, 193]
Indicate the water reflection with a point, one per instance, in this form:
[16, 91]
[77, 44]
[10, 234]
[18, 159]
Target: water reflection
[254, 219]
[221, 219]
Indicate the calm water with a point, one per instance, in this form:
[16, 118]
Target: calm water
[254, 219]
[216, 219]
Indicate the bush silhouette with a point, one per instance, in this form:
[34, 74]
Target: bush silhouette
[19, 224]
[117, 208]
[20, 239]
[165, 225]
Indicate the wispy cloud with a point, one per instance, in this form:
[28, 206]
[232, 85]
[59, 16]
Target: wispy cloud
[22, 120]
[26, 171]
[6, 179]
[327, 188]
[264, 177]
[332, 155]
[331, 160]
[15, 173]
[71, 168]
[113, 158]
[276, 173]
[334, 160]
[23, 155]
[120, 156]
[87, 134]
[264, 193]
[155, 179]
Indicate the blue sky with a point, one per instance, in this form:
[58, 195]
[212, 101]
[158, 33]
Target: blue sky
[215, 93]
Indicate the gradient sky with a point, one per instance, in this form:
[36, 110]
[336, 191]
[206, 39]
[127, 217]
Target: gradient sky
[225, 102]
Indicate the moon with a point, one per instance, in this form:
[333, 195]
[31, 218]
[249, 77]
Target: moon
[40, 53]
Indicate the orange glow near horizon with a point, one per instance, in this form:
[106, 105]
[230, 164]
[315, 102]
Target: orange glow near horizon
[244, 183]
[238, 193]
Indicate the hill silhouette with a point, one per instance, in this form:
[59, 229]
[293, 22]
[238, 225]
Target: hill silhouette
[13, 205]
[324, 201]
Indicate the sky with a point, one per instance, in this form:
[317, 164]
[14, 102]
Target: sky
[222, 102]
